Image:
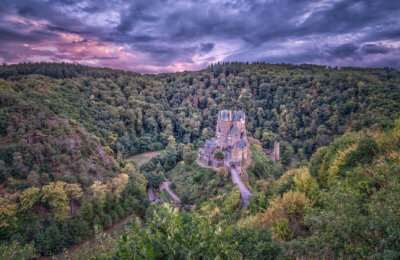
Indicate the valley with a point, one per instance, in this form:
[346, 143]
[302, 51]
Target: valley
[307, 165]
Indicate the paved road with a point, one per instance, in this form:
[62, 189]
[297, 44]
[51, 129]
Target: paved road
[152, 197]
[244, 191]
[165, 185]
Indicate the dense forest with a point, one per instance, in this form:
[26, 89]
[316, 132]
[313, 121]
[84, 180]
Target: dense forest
[66, 129]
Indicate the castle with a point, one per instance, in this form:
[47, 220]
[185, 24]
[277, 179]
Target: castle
[231, 139]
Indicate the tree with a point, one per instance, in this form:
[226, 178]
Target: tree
[99, 190]
[177, 235]
[7, 211]
[286, 153]
[171, 141]
[55, 196]
[188, 155]
[218, 154]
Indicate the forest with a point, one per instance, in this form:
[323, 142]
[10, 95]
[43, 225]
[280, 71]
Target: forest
[66, 130]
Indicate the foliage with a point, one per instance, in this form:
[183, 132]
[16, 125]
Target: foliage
[232, 201]
[218, 154]
[154, 169]
[41, 214]
[253, 243]
[172, 234]
[65, 129]
[188, 155]
[194, 184]
[16, 252]
[304, 105]
[356, 213]
[285, 215]
[261, 167]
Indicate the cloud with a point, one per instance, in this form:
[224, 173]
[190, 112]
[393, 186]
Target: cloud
[206, 47]
[167, 35]
[375, 49]
[344, 50]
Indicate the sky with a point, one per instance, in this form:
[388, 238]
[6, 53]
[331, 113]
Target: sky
[153, 36]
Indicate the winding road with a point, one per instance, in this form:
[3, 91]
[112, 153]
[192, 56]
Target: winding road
[244, 191]
[165, 185]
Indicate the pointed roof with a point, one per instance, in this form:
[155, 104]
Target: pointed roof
[234, 130]
[241, 144]
[210, 143]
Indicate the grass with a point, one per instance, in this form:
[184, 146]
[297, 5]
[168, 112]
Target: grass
[140, 159]
[164, 195]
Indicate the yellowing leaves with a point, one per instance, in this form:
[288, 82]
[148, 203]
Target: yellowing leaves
[339, 162]
[99, 190]
[57, 195]
[305, 183]
[118, 184]
[115, 186]
[284, 212]
[7, 210]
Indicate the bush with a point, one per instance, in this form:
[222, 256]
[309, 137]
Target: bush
[218, 154]
[174, 235]
[15, 251]
[253, 242]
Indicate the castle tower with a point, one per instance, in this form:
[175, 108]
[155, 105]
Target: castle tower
[224, 124]
[276, 150]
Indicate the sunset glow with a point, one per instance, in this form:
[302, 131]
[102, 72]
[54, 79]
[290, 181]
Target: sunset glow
[152, 36]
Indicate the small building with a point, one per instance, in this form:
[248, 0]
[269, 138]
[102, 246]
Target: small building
[273, 153]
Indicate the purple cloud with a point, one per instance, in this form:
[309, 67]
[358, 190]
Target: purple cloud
[165, 35]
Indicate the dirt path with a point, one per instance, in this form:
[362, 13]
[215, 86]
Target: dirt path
[165, 186]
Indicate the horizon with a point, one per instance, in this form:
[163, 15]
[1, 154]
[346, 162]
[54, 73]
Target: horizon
[327, 67]
[175, 36]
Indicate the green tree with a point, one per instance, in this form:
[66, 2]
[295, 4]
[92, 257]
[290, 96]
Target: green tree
[218, 154]
[188, 155]
[170, 234]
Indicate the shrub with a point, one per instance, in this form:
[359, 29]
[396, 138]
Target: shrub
[218, 154]
[174, 235]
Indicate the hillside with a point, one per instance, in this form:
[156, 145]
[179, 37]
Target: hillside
[66, 130]
[343, 204]
[56, 178]
[305, 106]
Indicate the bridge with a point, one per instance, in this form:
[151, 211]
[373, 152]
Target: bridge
[236, 180]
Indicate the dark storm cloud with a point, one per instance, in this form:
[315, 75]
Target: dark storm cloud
[344, 50]
[374, 49]
[206, 47]
[165, 35]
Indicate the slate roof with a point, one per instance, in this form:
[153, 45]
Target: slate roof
[233, 160]
[234, 130]
[241, 144]
[210, 143]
